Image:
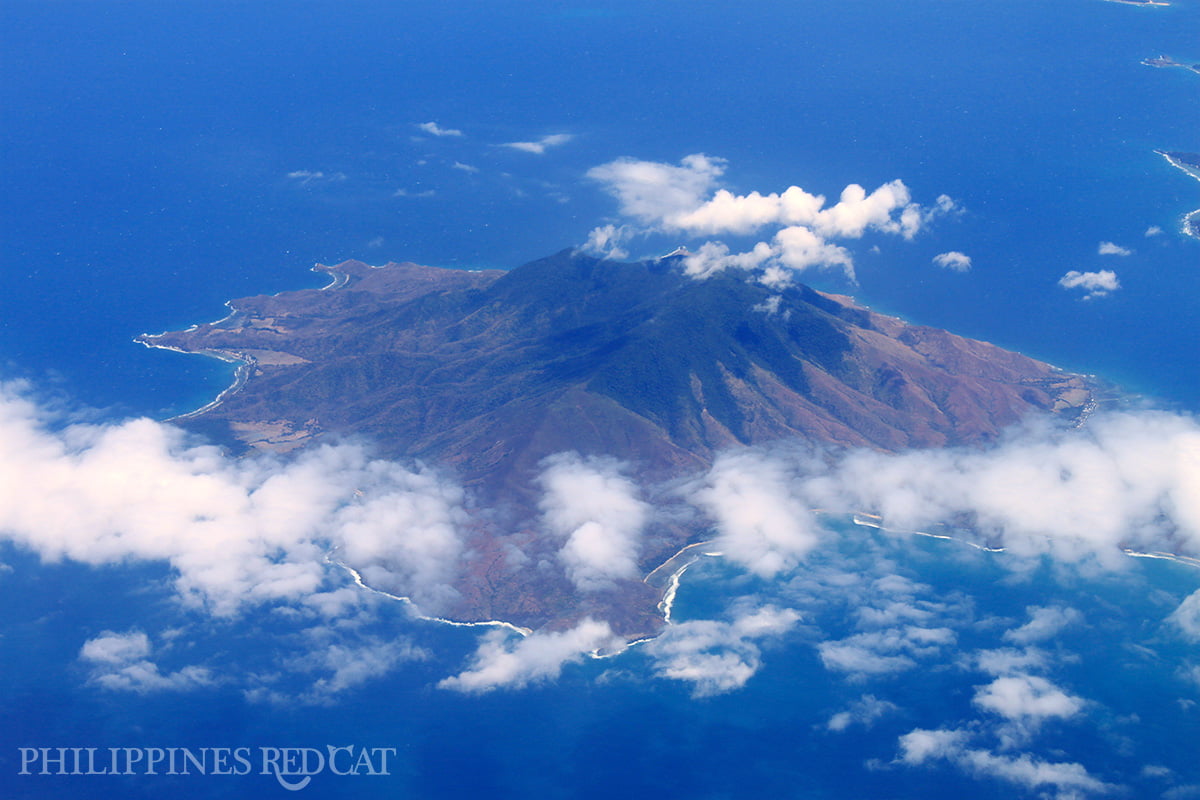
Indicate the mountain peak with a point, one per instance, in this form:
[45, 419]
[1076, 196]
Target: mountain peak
[489, 373]
[435, 362]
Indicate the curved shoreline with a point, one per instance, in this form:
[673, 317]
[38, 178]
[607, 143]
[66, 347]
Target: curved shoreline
[246, 363]
[1190, 224]
[358, 580]
[673, 568]
[669, 574]
[245, 368]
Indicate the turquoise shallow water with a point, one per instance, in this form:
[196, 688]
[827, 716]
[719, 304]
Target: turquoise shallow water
[148, 149]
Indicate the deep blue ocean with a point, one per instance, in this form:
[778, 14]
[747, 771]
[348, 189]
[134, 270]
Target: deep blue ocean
[160, 158]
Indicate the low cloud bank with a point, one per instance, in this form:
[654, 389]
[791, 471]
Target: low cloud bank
[1124, 480]
[1127, 479]
[238, 532]
[241, 533]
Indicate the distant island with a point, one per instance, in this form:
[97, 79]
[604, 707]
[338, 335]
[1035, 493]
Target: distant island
[1189, 163]
[1167, 61]
[487, 373]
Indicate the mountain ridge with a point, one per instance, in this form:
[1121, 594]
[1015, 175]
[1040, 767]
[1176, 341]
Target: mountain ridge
[489, 373]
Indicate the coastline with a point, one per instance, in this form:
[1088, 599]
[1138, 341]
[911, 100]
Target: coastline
[669, 575]
[245, 368]
[1164, 62]
[674, 568]
[1190, 224]
[875, 521]
[358, 580]
[246, 363]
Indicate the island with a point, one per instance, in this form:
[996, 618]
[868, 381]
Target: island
[1167, 61]
[1189, 163]
[486, 374]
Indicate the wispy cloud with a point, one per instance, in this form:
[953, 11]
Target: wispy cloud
[1187, 617]
[306, 177]
[458, 165]
[1045, 622]
[607, 241]
[433, 129]
[1066, 779]
[1093, 284]
[863, 712]
[541, 145]
[1112, 249]
[121, 662]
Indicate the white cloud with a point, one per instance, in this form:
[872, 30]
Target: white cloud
[539, 147]
[884, 652]
[501, 662]
[1007, 660]
[1125, 479]
[1187, 617]
[762, 524]
[596, 509]
[1067, 779]
[433, 129]
[920, 745]
[864, 712]
[121, 662]
[1191, 673]
[681, 199]
[467, 168]
[307, 177]
[608, 241]
[1026, 698]
[717, 657]
[797, 248]
[116, 648]
[1153, 230]
[1044, 623]
[854, 214]
[341, 664]
[793, 249]
[953, 260]
[1094, 284]
[651, 192]
[237, 532]
[1113, 249]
